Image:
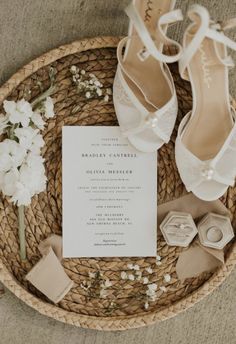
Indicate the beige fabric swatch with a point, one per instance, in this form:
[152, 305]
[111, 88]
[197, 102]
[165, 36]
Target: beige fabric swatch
[197, 259]
[48, 274]
[55, 242]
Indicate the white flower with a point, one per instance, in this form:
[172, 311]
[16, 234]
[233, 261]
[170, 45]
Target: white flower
[152, 286]
[74, 78]
[36, 118]
[11, 154]
[3, 123]
[123, 275]
[146, 305]
[99, 92]
[91, 75]
[158, 258]
[82, 72]
[158, 263]
[130, 266]
[149, 270]
[30, 139]
[152, 295]
[131, 277]
[151, 291]
[167, 278]
[163, 288]
[85, 285]
[92, 274]
[73, 69]
[18, 112]
[97, 83]
[49, 108]
[106, 98]
[136, 267]
[145, 280]
[82, 84]
[103, 293]
[107, 283]
[9, 181]
[88, 94]
[24, 183]
[138, 275]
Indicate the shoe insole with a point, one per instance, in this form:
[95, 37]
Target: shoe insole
[211, 121]
[148, 74]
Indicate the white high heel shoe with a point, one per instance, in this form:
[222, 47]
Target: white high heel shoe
[206, 143]
[144, 93]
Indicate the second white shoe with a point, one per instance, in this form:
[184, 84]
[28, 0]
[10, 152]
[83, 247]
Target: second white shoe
[205, 148]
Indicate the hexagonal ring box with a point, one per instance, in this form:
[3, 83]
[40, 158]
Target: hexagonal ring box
[178, 229]
[215, 231]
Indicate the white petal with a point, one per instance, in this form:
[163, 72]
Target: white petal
[152, 286]
[123, 275]
[5, 162]
[130, 266]
[149, 270]
[131, 277]
[9, 182]
[9, 106]
[92, 274]
[108, 283]
[22, 195]
[167, 278]
[37, 120]
[24, 107]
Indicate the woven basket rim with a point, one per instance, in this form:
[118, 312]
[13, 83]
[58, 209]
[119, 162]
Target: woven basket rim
[99, 323]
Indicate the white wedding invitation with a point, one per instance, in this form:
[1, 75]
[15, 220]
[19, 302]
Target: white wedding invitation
[109, 195]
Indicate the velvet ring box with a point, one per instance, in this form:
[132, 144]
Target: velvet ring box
[215, 231]
[178, 228]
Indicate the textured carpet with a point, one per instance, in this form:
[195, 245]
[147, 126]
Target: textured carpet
[27, 29]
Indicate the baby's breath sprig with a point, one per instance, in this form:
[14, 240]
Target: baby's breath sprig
[152, 290]
[111, 307]
[97, 285]
[89, 85]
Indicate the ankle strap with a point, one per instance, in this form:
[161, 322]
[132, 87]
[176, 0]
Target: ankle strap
[206, 28]
[148, 41]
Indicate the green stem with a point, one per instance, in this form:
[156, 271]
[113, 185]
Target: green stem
[43, 96]
[21, 219]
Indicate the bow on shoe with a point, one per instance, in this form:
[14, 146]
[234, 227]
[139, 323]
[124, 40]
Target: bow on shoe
[195, 172]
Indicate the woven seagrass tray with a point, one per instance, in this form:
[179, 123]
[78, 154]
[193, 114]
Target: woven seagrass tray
[123, 308]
